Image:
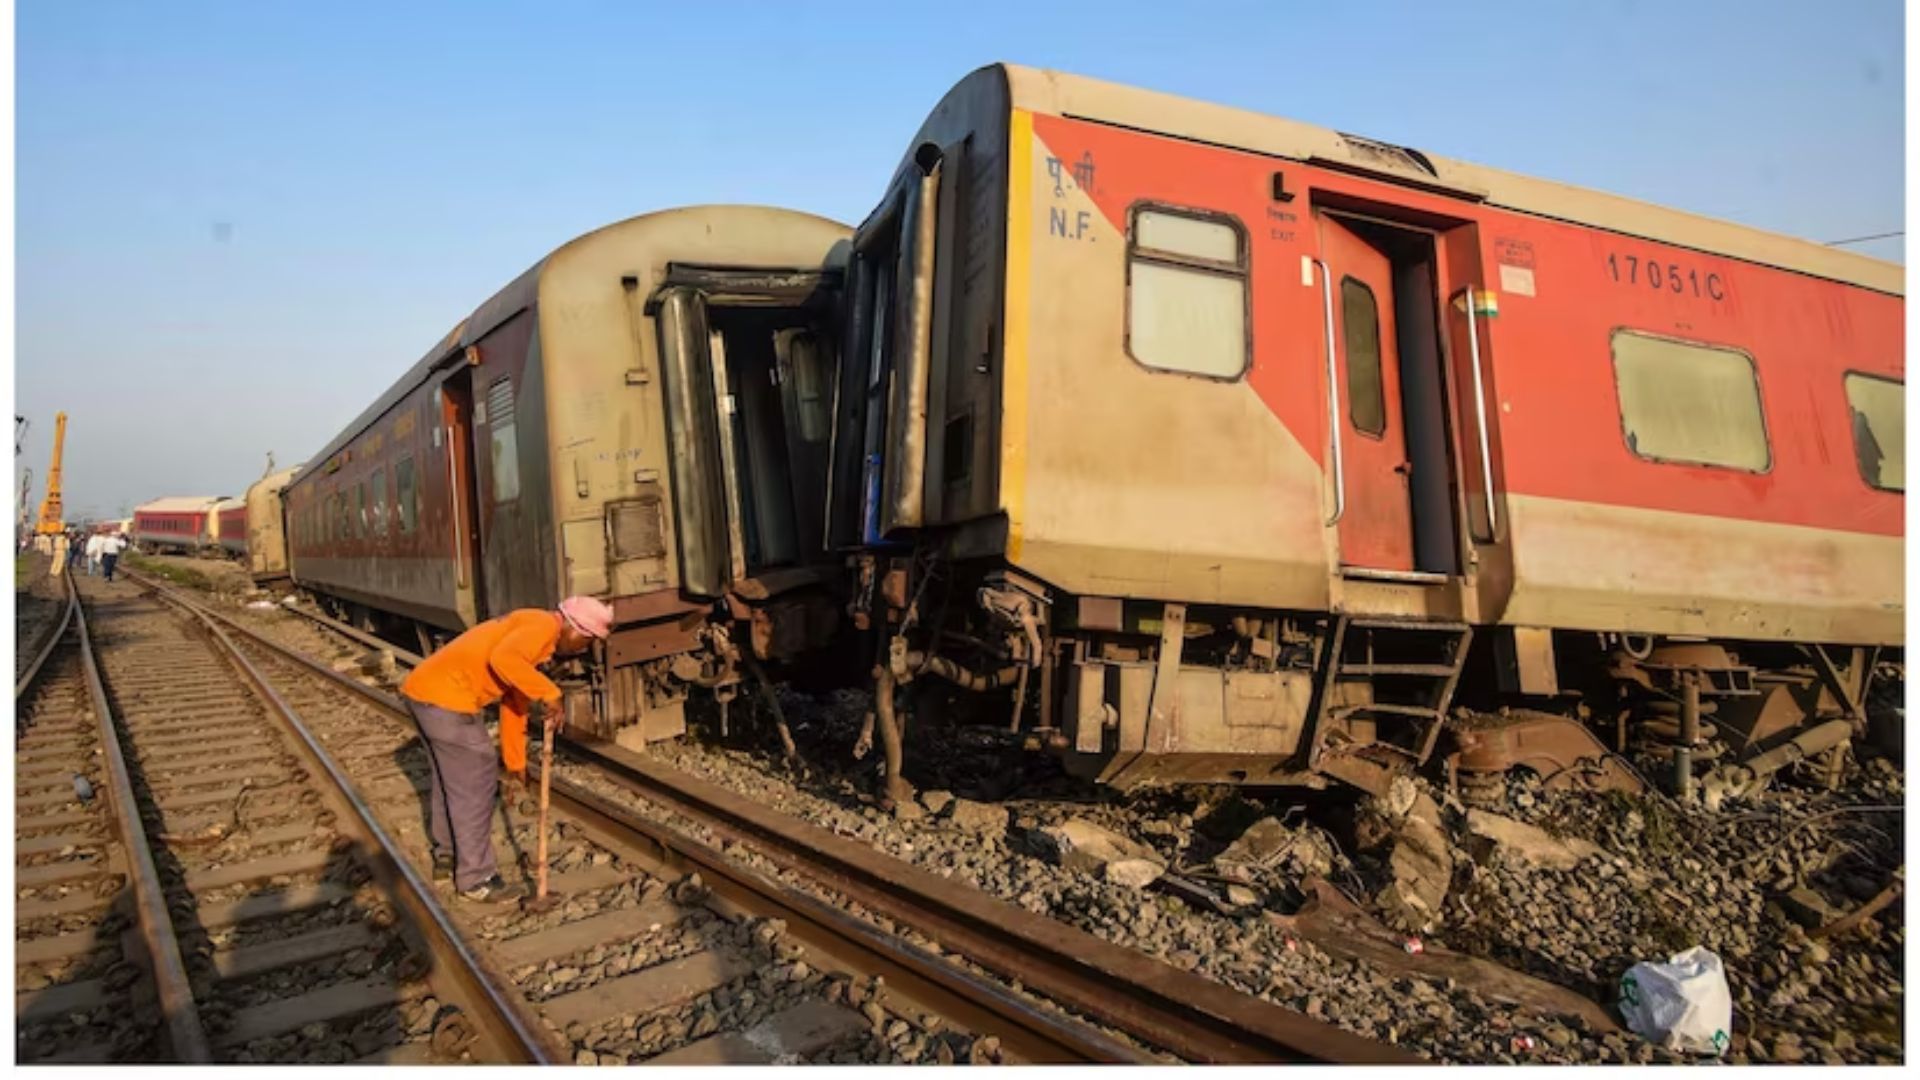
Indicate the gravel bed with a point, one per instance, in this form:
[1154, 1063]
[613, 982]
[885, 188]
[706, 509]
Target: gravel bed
[1669, 878]
[1580, 928]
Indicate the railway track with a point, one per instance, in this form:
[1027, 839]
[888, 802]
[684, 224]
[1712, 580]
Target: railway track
[202, 891]
[82, 898]
[1157, 1011]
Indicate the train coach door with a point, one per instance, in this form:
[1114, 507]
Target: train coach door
[1392, 474]
[463, 526]
[1376, 522]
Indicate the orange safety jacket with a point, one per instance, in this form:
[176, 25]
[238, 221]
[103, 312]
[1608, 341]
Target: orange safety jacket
[499, 661]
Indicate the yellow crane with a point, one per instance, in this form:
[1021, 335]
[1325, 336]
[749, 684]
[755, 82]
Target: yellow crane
[52, 514]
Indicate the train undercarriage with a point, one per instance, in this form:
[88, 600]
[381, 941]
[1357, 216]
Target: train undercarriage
[1137, 694]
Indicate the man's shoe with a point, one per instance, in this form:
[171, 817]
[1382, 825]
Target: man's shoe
[494, 890]
[443, 867]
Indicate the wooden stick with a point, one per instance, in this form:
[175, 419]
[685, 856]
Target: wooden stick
[546, 787]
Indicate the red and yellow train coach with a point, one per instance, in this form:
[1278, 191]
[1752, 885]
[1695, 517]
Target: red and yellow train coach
[1246, 449]
[642, 416]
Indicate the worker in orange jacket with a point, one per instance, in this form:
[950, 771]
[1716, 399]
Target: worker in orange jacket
[496, 662]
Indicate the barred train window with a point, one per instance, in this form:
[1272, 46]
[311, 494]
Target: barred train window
[403, 494]
[1187, 293]
[379, 496]
[1685, 402]
[505, 445]
[1879, 408]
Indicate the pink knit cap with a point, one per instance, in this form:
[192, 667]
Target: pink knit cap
[591, 617]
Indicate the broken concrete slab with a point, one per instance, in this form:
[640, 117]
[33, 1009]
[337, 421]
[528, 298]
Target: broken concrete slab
[936, 801]
[1419, 856]
[1530, 843]
[1079, 844]
[1422, 865]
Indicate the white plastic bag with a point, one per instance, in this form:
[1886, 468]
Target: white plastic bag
[1683, 1004]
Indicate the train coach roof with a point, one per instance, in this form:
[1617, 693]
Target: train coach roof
[1061, 94]
[517, 295]
[273, 481]
[179, 504]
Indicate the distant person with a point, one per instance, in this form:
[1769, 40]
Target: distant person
[59, 548]
[497, 661]
[96, 544]
[74, 548]
[110, 550]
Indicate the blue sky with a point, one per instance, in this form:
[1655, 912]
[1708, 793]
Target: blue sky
[238, 222]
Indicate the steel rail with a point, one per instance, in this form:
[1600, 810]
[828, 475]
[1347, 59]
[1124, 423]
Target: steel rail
[185, 1033]
[372, 641]
[46, 646]
[503, 1017]
[1163, 1006]
[1026, 1030]
[1193, 1017]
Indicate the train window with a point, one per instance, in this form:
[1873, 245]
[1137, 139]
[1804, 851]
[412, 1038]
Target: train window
[378, 483]
[1879, 408]
[1187, 293]
[403, 494]
[506, 448]
[360, 509]
[1360, 325]
[1681, 401]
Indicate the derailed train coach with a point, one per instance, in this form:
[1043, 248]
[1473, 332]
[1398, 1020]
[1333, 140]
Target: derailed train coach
[643, 415]
[266, 545]
[1219, 447]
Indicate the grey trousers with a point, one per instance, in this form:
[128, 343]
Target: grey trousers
[466, 780]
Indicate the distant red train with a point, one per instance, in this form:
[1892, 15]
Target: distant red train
[186, 524]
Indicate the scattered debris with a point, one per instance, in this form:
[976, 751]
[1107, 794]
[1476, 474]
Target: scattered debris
[936, 801]
[1270, 845]
[1683, 1004]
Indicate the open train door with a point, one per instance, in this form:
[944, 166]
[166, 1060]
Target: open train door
[887, 389]
[456, 444]
[1393, 476]
[746, 357]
